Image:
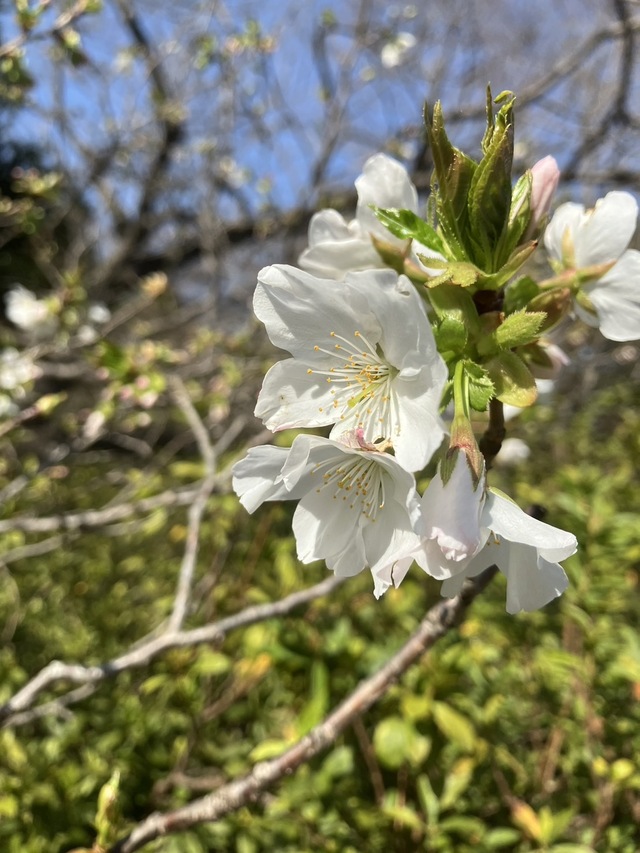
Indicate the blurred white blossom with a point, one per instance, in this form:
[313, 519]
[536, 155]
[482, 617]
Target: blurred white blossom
[29, 313]
[395, 52]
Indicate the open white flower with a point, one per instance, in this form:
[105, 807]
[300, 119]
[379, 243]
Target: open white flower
[357, 506]
[337, 247]
[364, 357]
[395, 52]
[29, 313]
[525, 550]
[577, 239]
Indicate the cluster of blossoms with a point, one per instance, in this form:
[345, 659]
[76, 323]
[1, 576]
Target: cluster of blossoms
[391, 320]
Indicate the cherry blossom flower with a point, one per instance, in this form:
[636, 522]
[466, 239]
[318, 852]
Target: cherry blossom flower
[526, 551]
[395, 52]
[337, 247]
[580, 239]
[357, 506]
[452, 510]
[364, 357]
[29, 313]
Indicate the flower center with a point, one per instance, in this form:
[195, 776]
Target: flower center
[360, 379]
[358, 481]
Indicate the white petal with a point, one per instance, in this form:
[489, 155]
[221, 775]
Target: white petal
[298, 308]
[420, 429]
[532, 581]
[384, 183]
[257, 478]
[334, 259]
[567, 218]
[452, 511]
[325, 526]
[329, 226]
[507, 519]
[616, 298]
[606, 230]
[291, 397]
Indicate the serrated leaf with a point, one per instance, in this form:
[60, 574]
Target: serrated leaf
[481, 387]
[514, 382]
[454, 726]
[407, 225]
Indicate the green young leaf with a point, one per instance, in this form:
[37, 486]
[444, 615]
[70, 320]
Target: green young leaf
[456, 782]
[409, 226]
[481, 388]
[460, 273]
[514, 382]
[451, 335]
[519, 329]
[395, 741]
[455, 303]
[455, 726]
[519, 293]
[453, 172]
[490, 190]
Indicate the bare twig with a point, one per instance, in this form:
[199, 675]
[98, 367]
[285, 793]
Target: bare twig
[438, 621]
[197, 508]
[57, 671]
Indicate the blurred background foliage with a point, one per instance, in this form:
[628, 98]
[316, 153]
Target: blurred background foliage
[514, 734]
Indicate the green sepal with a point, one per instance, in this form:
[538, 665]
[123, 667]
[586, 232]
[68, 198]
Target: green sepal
[519, 329]
[555, 304]
[519, 294]
[514, 382]
[480, 384]
[451, 335]
[409, 226]
[390, 254]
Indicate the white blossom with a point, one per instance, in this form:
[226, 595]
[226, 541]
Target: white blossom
[364, 357]
[29, 313]
[395, 52]
[16, 370]
[357, 506]
[337, 247]
[452, 510]
[526, 551]
[577, 239]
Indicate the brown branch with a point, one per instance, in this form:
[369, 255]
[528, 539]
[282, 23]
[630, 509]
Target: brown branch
[440, 619]
[90, 676]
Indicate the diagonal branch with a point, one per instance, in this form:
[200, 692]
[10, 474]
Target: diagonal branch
[19, 709]
[440, 619]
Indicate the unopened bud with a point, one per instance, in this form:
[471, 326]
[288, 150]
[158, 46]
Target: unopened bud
[556, 304]
[545, 176]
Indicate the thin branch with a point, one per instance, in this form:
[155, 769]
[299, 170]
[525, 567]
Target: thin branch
[197, 508]
[440, 619]
[58, 671]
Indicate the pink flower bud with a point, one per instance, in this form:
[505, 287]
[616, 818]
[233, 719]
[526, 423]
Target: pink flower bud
[545, 175]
